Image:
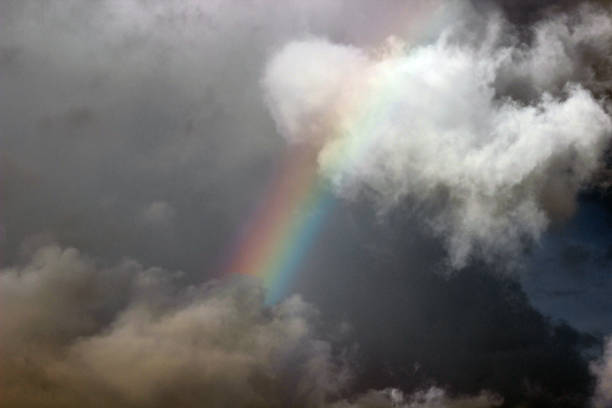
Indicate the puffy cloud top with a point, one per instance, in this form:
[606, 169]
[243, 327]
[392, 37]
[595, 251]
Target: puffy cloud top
[428, 124]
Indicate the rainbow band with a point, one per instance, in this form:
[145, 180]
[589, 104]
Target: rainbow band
[285, 226]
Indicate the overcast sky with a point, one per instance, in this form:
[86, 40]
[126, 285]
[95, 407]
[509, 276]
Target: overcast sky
[450, 161]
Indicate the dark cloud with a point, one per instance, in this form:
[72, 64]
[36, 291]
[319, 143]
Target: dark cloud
[524, 13]
[114, 106]
[433, 397]
[128, 336]
[415, 325]
[138, 129]
[603, 370]
[77, 333]
[568, 276]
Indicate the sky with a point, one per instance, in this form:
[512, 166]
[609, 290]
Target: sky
[324, 203]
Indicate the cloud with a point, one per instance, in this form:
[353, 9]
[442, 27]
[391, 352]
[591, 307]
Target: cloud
[120, 115]
[150, 101]
[58, 296]
[74, 334]
[432, 398]
[158, 214]
[569, 47]
[428, 124]
[603, 371]
[217, 351]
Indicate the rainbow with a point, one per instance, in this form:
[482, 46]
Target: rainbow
[285, 225]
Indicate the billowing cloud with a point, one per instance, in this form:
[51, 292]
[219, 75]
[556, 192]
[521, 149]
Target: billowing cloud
[74, 334]
[158, 214]
[436, 125]
[138, 128]
[431, 398]
[603, 371]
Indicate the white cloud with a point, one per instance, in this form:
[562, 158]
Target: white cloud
[427, 124]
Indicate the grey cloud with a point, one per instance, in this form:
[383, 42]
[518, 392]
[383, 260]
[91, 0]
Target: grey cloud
[158, 214]
[74, 334]
[568, 276]
[139, 128]
[566, 47]
[431, 398]
[603, 370]
[111, 105]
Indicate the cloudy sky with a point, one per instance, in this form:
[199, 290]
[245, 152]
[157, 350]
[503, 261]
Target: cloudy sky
[322, 203]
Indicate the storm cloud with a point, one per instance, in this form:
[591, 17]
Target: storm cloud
[603, 371]
[130, 336]
[145, 132]
[74, 334]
